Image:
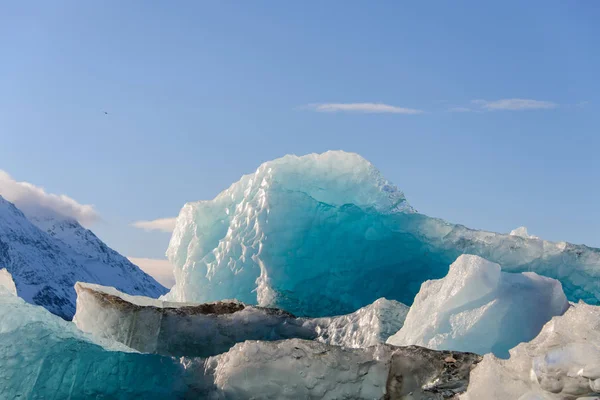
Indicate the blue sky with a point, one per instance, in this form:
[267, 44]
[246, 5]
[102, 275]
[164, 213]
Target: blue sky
[200, 92]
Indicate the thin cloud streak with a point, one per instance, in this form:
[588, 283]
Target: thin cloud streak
[514, 105]
[460, 109]
[368, 108]
[161, 224]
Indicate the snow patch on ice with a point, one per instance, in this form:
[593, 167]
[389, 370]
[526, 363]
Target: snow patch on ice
[6, 281]
[522, 232]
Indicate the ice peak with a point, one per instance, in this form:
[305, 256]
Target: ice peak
[326, 234]
[46, 256]
[522, 232]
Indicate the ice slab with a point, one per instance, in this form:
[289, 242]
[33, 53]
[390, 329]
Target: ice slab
[479, 308]
[326, 234]
[179, 329]
[300, 369]
[187, 329]
[562, 362]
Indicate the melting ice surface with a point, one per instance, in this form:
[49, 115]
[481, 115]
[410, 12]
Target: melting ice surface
[479, 308]
[326, 234]
[562, 362]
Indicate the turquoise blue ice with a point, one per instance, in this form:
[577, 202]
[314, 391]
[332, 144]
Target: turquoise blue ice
[325, 234]
[44, 357]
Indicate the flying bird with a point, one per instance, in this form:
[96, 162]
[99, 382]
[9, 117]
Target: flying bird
[105, 113]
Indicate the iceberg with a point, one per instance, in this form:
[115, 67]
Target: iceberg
[326, 234]
[479, 308]
[202, 330]
[561, 363]
[43, 356]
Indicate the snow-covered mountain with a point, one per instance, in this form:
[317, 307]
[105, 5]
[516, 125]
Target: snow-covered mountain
[47, 254]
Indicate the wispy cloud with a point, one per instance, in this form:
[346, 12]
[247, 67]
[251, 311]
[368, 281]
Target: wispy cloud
[161, 270]
[33, 199]
[371, 108]
[514, 104]
[161, 224]
[460, 109]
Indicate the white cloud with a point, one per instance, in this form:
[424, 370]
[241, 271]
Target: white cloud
[33, 199]
[514, 104]
[460, 109]
[373, 108]
[161, 224]
[161, 270]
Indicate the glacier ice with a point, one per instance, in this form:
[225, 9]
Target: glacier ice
[179, 329]
[187, 329]
[46, 255]
[300, 369]
[326, 234]
[365, 327]
[561, 363]
[481, 309]
[45, 357]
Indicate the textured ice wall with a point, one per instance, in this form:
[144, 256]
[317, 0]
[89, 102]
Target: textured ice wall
[365, 327]
[186, 329]
[325, 234]
[481, 309]
[561, 363]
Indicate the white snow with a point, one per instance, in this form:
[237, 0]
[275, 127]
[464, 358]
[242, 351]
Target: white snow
[522, 232]
[7, 282]
[481, 309]
[45, 263]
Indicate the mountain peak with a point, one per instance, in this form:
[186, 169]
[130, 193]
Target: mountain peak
[47, 254]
